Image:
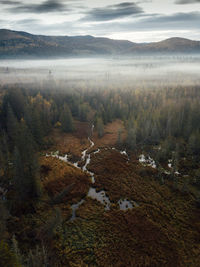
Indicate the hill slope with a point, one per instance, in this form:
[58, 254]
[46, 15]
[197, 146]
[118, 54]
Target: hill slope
[171, 45]
[24, 44]
[21, 44]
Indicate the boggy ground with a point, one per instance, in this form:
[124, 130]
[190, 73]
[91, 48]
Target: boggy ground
[58, 175]
[44, 225]
[110, 137]
[164, 230]
[74, 143]
[71, 143]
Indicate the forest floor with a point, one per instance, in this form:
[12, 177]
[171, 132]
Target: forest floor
[163, 229]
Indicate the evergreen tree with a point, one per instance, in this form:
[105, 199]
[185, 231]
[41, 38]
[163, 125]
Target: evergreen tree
[119, 137]
[26, 182]
[4, 156]
[66, 119]
[83, 111]
[15, 99]
[3, 218]
[194, 143]
[131, 139]
[12, 126]
[100, 127]
[34, 124]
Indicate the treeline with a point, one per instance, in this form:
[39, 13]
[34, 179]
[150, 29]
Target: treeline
[153, 117]
[167, 118]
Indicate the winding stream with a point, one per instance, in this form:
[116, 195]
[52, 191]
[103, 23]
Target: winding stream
[92, 193]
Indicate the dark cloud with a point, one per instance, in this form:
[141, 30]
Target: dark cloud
[110, 19]
[143, 1]
[154, 22]
[175, 22]
[185, 2]
[44, 7]
[113, 12]
[10, 3]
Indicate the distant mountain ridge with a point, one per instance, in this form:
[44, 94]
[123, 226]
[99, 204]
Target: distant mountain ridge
[15, 44]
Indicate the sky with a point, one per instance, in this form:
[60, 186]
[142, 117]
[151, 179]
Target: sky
[137, 21]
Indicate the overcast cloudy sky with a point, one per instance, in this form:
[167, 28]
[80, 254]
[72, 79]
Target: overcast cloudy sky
[138, 21]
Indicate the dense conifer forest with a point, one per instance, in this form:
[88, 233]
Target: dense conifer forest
[37, 189]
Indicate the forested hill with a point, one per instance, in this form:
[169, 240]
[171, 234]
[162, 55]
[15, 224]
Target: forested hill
[24, 44]
[21, 44]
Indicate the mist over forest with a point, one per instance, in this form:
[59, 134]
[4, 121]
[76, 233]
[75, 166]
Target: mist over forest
[100, 133]
[100, 71]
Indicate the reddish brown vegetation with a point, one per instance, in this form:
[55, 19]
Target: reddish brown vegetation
[136, 241]
[162, 231]
[72, 143]
[60, 175]
[110, 134]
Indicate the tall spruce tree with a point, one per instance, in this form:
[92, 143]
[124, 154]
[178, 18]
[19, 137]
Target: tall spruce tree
[26, 181]
[66, 119]
[12, 126]
[131, 138]
[100, 127]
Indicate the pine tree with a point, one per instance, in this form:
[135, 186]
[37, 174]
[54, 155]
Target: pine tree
[34, 124]
[100, 127]
[12, 126]
[26, 182]
[194, 143]
[84, 109]
[3, 218]
[66, 119]
[119, 137]
[4, 156]
[131, 139]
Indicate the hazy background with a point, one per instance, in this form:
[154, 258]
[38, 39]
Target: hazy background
[178, 70]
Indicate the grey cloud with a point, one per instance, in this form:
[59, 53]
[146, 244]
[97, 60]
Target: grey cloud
[179, 21]
[25, 22]
[10, 2]
[36, 26]
[143, 1]
[112, 12]
[44, 7]
[154, 22]
[185, 2]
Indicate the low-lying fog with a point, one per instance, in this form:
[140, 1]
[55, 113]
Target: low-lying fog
[98, 71]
